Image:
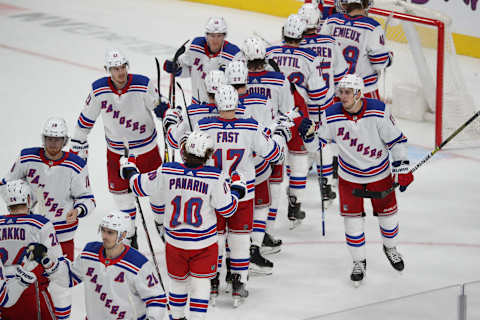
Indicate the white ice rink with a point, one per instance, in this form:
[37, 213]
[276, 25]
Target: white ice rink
[51, 51]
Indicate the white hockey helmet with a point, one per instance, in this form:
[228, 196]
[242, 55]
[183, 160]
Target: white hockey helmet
[114, 58]
[236, 72]
[226, 98]
[254, 48]
[116, 220]
[351, 81]
[214, 80]
[216, 25]
[310, 13]
[18, 192]
[55, 127]
[198, 143]
[294, 27]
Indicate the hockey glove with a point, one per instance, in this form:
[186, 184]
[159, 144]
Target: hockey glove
[390, 59]
[160, 230]
[238, 187]
[128, 167]
[170, 67]
[162, 107]
[25, 277]
[283, 130]
[401, 174]
[306, 129]
[80, 148]
[39, 253]
[173, 116]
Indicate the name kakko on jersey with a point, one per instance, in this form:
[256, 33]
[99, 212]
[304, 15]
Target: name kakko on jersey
[12, 233]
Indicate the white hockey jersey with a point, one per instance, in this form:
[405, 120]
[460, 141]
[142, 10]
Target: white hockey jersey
[19, 230]
[59, 186]
[302, 67]
[196, 112]
[126, 287]
[275, 87]
[333, 65]
[362, 41]
[191, 197]
[10, 290]
[364, 141]
[126, 113]
[236, 141]
[198, 61]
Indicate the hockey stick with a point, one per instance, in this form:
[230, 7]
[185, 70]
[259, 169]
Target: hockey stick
[320, 182]
[178, 53]
[384, 71]
[258, 35]
[165, 151]
[185, 104]
[149, 241]
[363, 193]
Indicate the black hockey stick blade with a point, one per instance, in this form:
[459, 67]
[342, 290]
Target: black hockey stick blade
[274, 65]
[180, 51]
[364, 193]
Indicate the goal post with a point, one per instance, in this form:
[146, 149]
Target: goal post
[424, 82]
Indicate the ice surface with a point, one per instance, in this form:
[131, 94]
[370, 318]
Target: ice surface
[50, 52]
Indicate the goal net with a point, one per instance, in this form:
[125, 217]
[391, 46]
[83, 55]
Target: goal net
[425, 82]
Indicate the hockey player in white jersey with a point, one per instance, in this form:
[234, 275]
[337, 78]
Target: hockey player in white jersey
[204, 54]
[265, 112]
[61, 184]
[119, 282]
[192, 193]
[18, 229]
[367, 137]
[178, 128]
[126, 103]
[12, 289]
[276, 88]
[236, 140]
[362, 41]
[334, 68]
[302, 67]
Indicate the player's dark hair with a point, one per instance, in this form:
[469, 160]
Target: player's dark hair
[211, 95]
[349, 7]
[291, 40]
[192, 161]
[256, 64]
[239, 85]
[310, 31]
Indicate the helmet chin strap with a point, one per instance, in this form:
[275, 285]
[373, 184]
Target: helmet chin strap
[355, 100]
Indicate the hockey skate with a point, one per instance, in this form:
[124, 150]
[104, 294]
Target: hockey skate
[238, 290]
[270, 245]
[358, 272]
[395, 258]
[258, 264]
[228, 276]
[214, 287]
[328, 195]
[295, 215]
